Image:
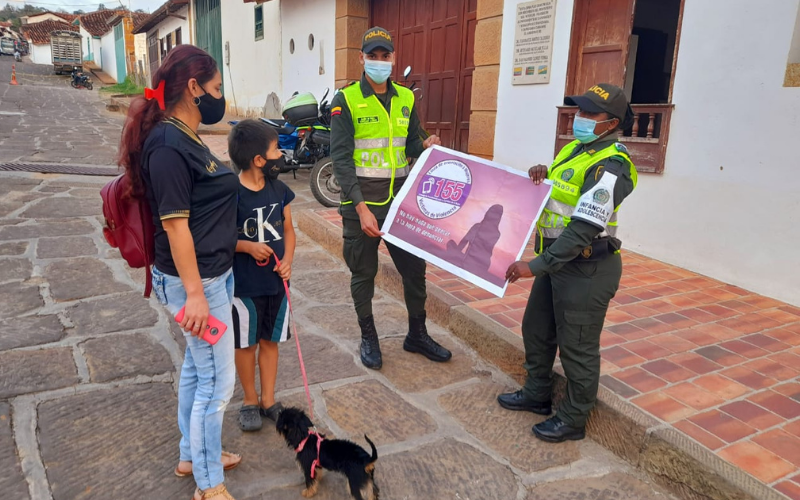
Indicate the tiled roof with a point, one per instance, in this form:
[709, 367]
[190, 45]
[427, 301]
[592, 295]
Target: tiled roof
[5, 24]
[139, 18]
[96, 23]
[63, 15]
[39, 33]
[159, 15]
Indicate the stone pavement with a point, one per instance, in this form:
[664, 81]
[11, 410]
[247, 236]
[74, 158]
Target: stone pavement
[45, 120]
[713, 361]
[88, 382]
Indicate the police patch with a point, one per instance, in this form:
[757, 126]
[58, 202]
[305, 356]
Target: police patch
[621, 148]
[406, 112]
[567, 174]
[368, 119]
[601, 196]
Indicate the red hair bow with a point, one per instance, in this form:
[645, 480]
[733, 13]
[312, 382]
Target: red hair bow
[157, 94]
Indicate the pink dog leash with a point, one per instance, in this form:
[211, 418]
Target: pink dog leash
[296, 339]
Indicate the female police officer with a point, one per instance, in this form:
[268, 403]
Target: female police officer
[578, 267]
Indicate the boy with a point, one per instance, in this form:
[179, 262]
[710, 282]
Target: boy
[260, 309]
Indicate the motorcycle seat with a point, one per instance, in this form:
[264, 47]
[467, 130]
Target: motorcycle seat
[284, 128]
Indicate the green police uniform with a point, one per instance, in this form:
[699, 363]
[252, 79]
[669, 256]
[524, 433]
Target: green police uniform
[577, 271]
[371, 138]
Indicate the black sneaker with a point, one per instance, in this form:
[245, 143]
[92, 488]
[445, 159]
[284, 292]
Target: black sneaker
[518, 401]
[554, 430]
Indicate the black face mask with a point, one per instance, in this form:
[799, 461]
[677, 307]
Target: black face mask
[211, 109]
[274, 167]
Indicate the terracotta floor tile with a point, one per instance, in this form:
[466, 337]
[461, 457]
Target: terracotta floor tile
[647, 349]
[790, 390]
[739, 306]
[618, 387]
[629, 331]
[749, 378]
[753, 415]
[662, 406]
[791, 310]
[719, 355]
[793, 428]
[673, 342]
[621, 357]
[660, 306]
[777, 403]
[702, 298]
[782, 444]
[662, 290]
[759, 462]
[452, 285]
[676, 320]
[718, 332]
[625, 299]
[761, 302]
[705, 438]
[765, 342]
[652, 326]
[741, 292]
[695, 363]
[772, 368]
[744, 349]
[721, 386]
[785, 336]
[723, 426]
[668, 370]
[608, 339]
[640, 380]
[516, 315]
[779, 315]
[504, 320]
[787, 359]
[698, 315]
[644, 293]
[694, 396]
[637, 311]
[790, 489]
[741, 325]
[721, 293]
[697, 337]
[718, 311]
[681, 301]
[615, 316]
[463, 296]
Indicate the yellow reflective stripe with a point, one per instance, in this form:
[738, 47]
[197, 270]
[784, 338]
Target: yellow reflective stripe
[559, 207]
[372, 143]
[381, 173]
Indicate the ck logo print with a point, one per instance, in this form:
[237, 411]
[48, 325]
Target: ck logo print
[260, 226]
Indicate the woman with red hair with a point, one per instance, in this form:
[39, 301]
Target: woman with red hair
[193, 199]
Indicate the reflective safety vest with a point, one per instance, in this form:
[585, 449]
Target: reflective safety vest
[568, 178]
[380, 141]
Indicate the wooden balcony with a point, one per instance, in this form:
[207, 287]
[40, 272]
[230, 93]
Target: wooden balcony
[646, 139]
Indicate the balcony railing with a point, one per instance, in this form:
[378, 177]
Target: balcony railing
[646, 140]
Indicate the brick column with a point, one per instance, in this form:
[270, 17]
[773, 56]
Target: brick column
[352, 20]
[485, 80]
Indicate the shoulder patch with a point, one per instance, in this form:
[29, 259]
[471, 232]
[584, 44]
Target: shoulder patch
[621, 148]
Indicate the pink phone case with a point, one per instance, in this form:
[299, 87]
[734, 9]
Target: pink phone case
[214, 329]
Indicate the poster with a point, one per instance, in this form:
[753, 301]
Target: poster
[468, 216]
[533, 42]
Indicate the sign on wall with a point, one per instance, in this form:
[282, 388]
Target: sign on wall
[533, 42]
[468, 216]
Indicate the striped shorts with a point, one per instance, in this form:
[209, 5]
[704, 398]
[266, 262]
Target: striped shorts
[260, 318]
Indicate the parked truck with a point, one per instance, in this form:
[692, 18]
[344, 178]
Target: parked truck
[67, 51]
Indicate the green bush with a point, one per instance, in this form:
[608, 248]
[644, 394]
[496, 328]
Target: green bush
[128, 87]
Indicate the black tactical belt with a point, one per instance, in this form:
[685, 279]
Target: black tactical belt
[600, 249]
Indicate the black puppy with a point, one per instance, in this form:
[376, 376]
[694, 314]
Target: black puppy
[337, 455]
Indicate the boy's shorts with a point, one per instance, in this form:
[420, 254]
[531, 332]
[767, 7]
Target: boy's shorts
[260, 318]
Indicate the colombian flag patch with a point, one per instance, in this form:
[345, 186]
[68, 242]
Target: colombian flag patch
[336, 111]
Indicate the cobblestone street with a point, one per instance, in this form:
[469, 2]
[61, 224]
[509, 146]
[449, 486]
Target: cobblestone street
[88, 367]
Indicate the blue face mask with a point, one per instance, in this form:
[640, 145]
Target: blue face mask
[378, 71]
[583, 129]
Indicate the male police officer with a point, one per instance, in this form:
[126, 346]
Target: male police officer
[374, 127]
[578, 267]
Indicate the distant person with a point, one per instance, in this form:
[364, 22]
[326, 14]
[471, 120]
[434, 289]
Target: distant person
[578, 266]
[260, 306]
[193, 198]
[480, 241]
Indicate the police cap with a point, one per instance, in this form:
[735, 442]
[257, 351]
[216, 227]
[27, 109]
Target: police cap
[604, 98]
[377, 38]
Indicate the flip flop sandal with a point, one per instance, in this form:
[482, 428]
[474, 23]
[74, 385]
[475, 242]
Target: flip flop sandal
[226, 468]
[250, 418]
[272, 412]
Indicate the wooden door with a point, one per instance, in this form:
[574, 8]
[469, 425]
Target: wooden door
[119, 49]
[153, 54]
[601, 33]
[436, 38]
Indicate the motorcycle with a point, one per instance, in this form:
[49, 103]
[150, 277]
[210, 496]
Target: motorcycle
[80, 80]
[304, 138]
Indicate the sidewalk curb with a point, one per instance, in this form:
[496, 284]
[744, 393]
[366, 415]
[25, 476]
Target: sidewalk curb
[671, 458]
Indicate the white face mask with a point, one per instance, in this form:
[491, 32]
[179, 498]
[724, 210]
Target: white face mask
[378, 71]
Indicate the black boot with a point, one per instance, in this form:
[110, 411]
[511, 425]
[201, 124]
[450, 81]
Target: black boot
[370, 346]
[420, 342]
[554, 430]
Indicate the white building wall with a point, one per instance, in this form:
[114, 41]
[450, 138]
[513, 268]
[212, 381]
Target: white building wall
[253, 67]
[172, 23]
[108, 54]
[726, 205]
[308, 70]
[41, 54]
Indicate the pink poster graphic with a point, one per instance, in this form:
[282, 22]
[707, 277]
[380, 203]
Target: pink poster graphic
[469, 216]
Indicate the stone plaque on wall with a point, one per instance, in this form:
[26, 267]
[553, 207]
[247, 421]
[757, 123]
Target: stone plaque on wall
[533, 42]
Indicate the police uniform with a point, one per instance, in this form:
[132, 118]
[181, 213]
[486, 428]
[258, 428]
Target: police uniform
[372, 137]
[577, 269]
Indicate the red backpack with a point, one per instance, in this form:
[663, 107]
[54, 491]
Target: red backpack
[129, 226]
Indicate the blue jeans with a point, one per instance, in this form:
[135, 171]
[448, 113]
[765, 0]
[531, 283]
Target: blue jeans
[207, 377]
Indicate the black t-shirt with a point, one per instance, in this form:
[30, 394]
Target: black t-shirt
[185, 180]
[260, 218]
